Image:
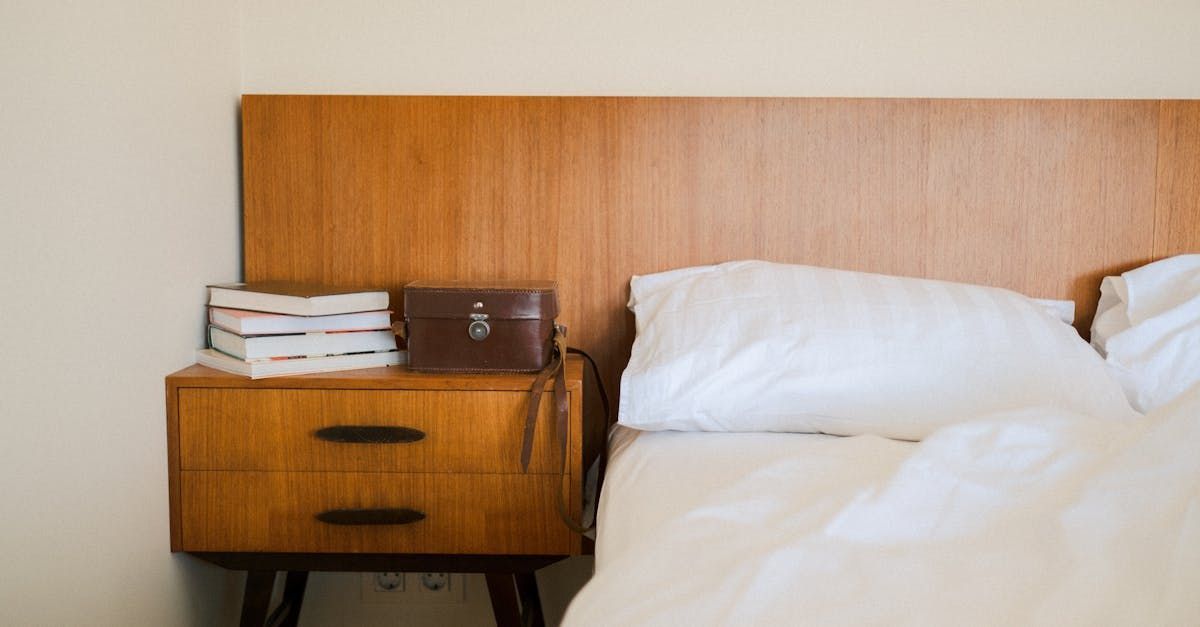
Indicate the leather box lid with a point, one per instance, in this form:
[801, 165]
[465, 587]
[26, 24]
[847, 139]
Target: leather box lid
[499, 300]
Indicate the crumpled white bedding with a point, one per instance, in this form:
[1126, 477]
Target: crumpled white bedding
[1147, 327]
[1038, 518]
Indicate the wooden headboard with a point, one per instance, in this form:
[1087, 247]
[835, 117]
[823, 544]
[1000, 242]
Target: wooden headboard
[1040, 196]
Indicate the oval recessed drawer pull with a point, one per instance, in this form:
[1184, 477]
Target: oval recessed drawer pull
[385, 516]
[364, 434]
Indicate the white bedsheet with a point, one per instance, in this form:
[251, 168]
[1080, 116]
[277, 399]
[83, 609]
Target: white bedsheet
[1045, 518]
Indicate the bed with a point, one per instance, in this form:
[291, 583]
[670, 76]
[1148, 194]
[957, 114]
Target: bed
[1043, 512]
[1041, 198]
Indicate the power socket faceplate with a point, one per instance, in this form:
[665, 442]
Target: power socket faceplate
[413, 588]
[389, 582]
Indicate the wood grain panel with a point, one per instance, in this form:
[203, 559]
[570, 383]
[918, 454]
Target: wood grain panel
[469, 514]
[1177, 225]
[1044, 197]
[472, 432]
[401, 187]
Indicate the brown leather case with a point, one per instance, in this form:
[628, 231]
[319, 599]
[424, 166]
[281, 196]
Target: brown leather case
[461, 326]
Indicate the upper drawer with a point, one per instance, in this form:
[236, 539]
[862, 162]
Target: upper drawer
[445, 431]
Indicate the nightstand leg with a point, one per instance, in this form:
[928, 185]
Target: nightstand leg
[288, 612]
[257, 598]
[503, 592]
[506, 591]
[531, 602]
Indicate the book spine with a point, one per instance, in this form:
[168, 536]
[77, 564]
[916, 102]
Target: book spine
[230, 355]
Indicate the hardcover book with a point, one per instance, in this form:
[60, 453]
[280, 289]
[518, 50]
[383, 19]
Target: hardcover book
[296, 299]
[245, 322]
[257, 347]
[302, 365]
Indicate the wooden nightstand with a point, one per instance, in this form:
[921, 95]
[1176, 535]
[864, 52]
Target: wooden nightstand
[371, 470]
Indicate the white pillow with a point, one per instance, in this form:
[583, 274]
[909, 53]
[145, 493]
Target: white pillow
[1062, 309]
[758, 346]
[1148, 328]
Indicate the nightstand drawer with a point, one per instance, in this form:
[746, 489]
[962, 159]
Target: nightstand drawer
[473, 514]
[342, 430]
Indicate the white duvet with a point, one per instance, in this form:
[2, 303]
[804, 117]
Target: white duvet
[1038, 518]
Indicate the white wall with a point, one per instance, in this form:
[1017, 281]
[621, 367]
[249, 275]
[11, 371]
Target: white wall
[977, 48]
[118, 202]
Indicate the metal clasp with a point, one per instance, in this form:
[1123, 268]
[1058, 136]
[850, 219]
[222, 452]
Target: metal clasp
[479, 329]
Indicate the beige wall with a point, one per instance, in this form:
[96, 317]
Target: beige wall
[118, 202]
[980, 48]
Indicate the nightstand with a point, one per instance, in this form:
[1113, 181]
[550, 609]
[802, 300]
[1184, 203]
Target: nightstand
[372, 470]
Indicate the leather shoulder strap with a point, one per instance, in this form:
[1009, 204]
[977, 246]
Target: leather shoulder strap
[557, 370]
[535, 400]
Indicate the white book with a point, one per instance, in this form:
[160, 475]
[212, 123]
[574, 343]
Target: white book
[257, 347]
[245, 322]
[296, 299]
[302, 365]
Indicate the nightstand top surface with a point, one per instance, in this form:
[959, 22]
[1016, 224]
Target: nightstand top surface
[391, 377]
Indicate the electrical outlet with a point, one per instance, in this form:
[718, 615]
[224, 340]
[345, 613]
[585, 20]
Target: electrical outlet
[413, 588]
[434, 582]
[389, 582]
[383, 587]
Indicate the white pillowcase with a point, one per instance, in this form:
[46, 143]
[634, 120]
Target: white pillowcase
[1148, 328]
[758, 346]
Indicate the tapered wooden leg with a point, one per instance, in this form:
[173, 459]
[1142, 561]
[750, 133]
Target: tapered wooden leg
[531, 601]
[257, 597]
[503, 592]
[293, 595]
[288, 612]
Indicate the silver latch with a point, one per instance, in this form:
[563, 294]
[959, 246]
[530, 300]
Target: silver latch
[479, 329]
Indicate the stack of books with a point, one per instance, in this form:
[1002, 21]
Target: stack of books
[272, 329]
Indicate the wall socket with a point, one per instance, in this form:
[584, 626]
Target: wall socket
[389, 582]
[413, 588]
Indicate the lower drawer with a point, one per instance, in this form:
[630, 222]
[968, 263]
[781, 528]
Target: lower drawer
[479, 514]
